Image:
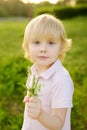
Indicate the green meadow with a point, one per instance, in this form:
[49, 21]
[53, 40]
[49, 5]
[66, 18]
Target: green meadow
[13, 70]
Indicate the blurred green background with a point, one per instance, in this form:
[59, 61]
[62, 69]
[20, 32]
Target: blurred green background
[14, 16]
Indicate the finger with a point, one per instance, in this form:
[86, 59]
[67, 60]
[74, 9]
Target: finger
[33, 99]
[26, 99]
[32, 105]
[31, 115]
[34, 113]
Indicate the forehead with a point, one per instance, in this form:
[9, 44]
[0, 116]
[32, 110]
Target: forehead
[44, 33]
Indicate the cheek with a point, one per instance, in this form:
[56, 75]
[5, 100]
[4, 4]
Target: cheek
[55, 53]
[31, 52]
[58, 49]
[32, 55]
[31, 49]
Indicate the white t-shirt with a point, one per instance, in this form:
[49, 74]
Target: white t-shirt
[56, 92]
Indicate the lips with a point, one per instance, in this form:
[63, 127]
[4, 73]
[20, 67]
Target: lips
[42, 57]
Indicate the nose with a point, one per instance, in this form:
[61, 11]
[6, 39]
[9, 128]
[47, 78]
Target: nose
[43, 48]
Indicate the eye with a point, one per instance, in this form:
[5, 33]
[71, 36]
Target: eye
[51, 43]
[36, 42]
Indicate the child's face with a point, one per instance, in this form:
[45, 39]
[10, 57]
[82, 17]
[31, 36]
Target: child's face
[44, 53]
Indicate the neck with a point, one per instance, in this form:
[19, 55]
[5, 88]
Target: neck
[41, 69]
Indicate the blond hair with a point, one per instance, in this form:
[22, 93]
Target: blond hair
[46, 26]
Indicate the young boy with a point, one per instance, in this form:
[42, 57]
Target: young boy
[45, 44]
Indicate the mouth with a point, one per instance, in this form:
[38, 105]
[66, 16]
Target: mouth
[43, 57]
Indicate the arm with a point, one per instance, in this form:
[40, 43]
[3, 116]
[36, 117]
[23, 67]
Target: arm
[53, 121]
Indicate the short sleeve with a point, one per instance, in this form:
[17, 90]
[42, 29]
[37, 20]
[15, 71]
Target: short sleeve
[62, 93]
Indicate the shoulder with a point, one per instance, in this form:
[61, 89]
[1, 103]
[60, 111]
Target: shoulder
[62, 80]
[62, 74]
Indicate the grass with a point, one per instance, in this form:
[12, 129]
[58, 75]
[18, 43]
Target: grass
[13, 70]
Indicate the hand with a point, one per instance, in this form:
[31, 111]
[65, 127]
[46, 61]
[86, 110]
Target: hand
[34, 107]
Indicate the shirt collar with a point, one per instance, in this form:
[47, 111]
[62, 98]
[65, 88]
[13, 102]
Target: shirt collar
[49, 72]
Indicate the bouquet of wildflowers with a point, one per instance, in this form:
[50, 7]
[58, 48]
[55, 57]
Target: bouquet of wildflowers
[34, 89]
